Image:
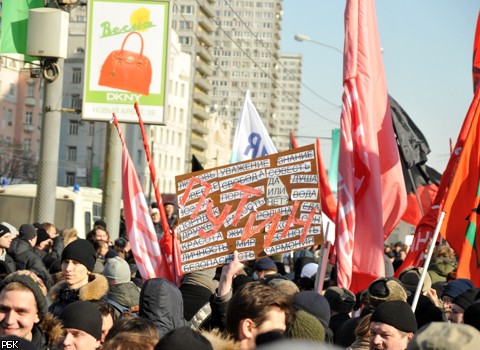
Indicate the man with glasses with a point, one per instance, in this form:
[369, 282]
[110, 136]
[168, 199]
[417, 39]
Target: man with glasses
[6, 237]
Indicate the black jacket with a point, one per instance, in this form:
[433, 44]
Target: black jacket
[161, 302]
[25, 258]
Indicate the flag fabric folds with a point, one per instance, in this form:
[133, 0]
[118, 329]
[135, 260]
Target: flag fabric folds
[329, 203]
[15, 24]
[420, 179]
[476, 56]
[251, 137]
[371, 189]
[461, 224]
[142, 236]
[332, 174]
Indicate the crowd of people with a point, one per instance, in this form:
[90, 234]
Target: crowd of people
[59, 291]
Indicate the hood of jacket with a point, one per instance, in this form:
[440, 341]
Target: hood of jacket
[161, 302]
[18, 247]
[126, 294]
[96, 288]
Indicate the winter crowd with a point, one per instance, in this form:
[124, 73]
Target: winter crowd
[58, 291]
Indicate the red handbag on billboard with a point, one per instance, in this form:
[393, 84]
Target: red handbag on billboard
[127, 70]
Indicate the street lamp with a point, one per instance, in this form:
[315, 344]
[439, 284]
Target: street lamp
[303, 37]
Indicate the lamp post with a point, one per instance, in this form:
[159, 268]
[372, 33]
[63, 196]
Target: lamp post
[303, 37]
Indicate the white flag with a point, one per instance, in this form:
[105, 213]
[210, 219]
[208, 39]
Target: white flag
[251, 137]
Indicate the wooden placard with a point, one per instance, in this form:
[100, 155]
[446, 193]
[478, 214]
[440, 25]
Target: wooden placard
[260, 207]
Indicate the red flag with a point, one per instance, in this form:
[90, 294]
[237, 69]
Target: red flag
[141, 233]
[370, 179]
[476, 56]
[329, 203]
[462, 202]
[293, 142]
[168, 243]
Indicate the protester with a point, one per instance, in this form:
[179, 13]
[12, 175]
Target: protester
[161, 302]
[122, 294]
[392, 326]
[108, 317]
[443, 262]
[445, 336]
[183, 337]
[362, 335]
[452, 290]
[306, 327]
[341, 302]
[83, 326]
[23, 310]
[263, 267]
[157, 222]
[137, 325]
[129, 341]
[461, 303]
[6, 238]
[21, 251]
[78, 262]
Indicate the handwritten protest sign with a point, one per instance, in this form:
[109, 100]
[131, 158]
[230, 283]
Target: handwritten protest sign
[264, 206]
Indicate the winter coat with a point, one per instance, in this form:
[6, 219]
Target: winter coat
[61, 295]
[219, 340]
[440, 268]
[47, 333]
[25, 258]
[10, 263]
[161, 302]
[126, 294]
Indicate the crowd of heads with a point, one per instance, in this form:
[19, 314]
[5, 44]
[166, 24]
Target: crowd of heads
[61, 291]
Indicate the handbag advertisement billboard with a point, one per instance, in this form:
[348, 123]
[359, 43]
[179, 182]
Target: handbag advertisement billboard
[126, 60]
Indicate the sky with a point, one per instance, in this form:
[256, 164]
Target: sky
[427, 55]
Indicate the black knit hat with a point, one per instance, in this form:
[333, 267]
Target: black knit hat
[467, 298]
[397, 314]
[4, 230]
[27, 231]
[84, 316]
[313, 303]
[340, 299]
[82, 251]
[42, 236]
[32, 282]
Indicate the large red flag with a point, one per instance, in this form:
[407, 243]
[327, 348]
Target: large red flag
[476, 56]
[141, 233]
[329, 203]
[462, 202]
[371, 189]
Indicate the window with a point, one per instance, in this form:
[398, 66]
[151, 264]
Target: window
[72, 153]
[76, 101]
[11, 90]
[9, 117]
[27, 145]
[73, 127]
[70, 178]
[185, 40]
[28, 117]
[188, 9]
[91, 129]
[31, 90]
[77, 75]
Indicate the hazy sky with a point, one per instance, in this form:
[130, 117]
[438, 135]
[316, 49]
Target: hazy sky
[427, 52]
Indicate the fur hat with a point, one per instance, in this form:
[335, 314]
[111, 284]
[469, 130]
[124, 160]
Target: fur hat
[410, 277]
[284, 286]
[313, 303]
[82, 251]
[445, 336]
[457, 287]
[116, 270]
[265, 263]
[306, 327]
[340, 300]
[27, 231]
[397, 314]
[32, 282]
[385, 289]
[84, 316]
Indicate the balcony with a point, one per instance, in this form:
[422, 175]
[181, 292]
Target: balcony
[202, 98]
[28, 128]
[30, 101]
[203, 83]
[199, 129]
[199, 144]
[206, 23]
[201, 113]
[203, 68]
[205, 54]
[206, 8]
[206, 38]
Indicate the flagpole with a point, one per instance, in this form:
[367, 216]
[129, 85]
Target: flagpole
[427, 261]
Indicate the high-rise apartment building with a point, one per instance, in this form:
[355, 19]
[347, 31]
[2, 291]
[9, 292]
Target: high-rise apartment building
[288, 108]
[247, 53]
[194, 23]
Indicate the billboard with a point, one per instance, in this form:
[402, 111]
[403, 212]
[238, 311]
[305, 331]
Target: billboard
[264, 206]
[126, 60]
